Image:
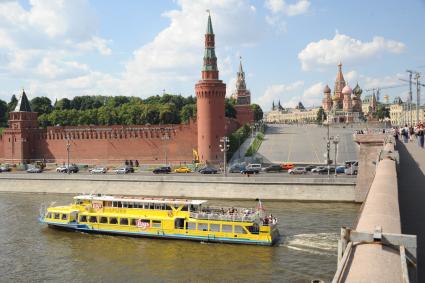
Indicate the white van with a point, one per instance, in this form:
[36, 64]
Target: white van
[254, 166]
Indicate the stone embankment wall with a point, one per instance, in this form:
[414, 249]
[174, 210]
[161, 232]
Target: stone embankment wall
[302, 189]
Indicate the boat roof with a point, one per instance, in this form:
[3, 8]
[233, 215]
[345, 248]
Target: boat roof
[140, 199]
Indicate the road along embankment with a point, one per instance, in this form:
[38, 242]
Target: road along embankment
[210, 187]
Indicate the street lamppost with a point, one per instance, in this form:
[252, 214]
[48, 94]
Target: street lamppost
[165, 138]
[224, 147]
[68, 147]
[336, 141]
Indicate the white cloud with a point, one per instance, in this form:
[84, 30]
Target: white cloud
[279, 9]
[351, 77]
[278, 92]
[382, 82]
[280, 6]
[298, 8]
[312, 96]
[327, 52]
[36, 43]
[275, 6]
[174, 57]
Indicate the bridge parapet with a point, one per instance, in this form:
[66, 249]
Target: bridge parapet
[376, 251]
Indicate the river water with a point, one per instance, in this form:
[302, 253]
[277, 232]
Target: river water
[31, 252]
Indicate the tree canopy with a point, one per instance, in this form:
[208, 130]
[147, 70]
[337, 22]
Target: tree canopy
[116, 110]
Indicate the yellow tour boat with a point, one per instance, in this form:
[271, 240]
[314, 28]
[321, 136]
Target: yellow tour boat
[164, 218]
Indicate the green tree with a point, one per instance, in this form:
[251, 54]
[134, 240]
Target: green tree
[63, 104]
[229, 108]
[188, 111]
[168, 114]
[321, 115]
[150, 115]
[41, 105]
[383, 112]
[12, 104]
[258, 112]
[3, 113]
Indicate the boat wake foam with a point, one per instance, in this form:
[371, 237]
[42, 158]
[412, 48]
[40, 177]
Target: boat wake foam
[316, 243]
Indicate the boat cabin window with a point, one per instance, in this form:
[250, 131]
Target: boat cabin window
[156, 223]
[103, 219]
[49, 215]
[239, 230]
[226, 228]
[56, 215]
[168, 207]
[113, 220]
[83, 218]
[151, 206]
[78, 201]
[254, 229]
[215, 227]
[133, 222]
[130, 205]
[203, 226]
[125, 204]
[119, 204]
[191, 225]
[93, 219]
[185, 208]
[124, 221]
[64, 216]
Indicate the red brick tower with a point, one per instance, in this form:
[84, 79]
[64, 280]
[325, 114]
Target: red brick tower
[210, 93]
[18, 138]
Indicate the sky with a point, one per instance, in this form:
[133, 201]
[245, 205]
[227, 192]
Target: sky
[289, 48]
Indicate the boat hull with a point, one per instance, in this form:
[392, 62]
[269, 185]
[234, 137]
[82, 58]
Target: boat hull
[158, 235]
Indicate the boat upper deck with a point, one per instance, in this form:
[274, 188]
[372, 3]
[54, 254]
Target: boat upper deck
[136, 199]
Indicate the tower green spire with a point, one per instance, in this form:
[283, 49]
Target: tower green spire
[209, 25]
[210, 59]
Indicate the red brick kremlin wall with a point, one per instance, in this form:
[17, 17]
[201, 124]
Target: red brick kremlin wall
[106, 144]
[244, 114]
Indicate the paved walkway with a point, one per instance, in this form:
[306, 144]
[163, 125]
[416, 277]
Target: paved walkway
[411, 184]
[305, 144]
[240, 153]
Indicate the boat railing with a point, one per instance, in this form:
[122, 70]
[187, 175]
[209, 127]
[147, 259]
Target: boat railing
[237, 217]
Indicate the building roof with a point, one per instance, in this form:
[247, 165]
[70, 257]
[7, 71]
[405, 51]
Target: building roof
[347, 90]
[327, 89]
[23, 104]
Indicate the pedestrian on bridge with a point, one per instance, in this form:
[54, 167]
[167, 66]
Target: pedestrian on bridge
[420, 135]
[405, 134]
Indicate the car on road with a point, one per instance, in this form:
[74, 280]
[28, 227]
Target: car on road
[122, 170]
[34, 170]
[297, 170]
[162, 170]
[325, 170]
[5, 168]
[350, 162]
[236, 168]
[351, 167]
[208, 170]
[64, 169]
[340, 169]
[287, 166]
[255, 166]
[183, 170]
[250, 171]
[98, 170]
[318, 169]
[273, 168]
[308, 168]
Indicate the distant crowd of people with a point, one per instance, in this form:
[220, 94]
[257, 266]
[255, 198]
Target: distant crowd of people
[410, 134]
